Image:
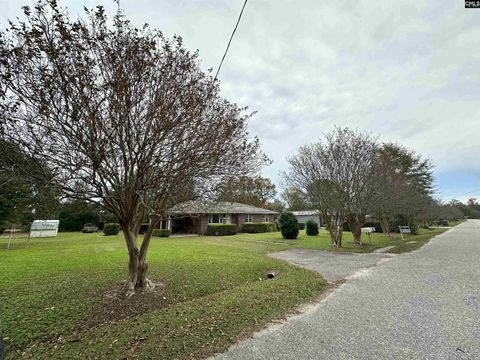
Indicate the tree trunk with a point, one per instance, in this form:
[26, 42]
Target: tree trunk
[385, 224]
[357, 232]
[336, 232]
[137, 264]
[356, 222]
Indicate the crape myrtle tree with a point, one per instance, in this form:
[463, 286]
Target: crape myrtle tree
[125, 112]
[337, 176]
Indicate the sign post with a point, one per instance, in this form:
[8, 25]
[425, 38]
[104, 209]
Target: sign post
[404, 230]
[368, 230]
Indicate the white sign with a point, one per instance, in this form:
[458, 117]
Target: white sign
[404, 230]
[368, 230]
[44, 228]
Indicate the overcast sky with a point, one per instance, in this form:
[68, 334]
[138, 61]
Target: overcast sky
[407, 71]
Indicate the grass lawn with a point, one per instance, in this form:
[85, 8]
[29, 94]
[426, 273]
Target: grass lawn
[322, 241]
[60, 297]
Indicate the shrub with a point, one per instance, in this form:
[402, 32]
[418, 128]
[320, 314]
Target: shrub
[111, 229]
[311, 228]
[161, 232]
[221, 229]
[263, 227]
[346, 227]
[301, 226]
[143, 228]
[288, 225]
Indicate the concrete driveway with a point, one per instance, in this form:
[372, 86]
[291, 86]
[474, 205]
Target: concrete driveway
[419, 305]
[332, 266]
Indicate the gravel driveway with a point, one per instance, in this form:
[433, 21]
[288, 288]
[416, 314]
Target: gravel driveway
[419, 305]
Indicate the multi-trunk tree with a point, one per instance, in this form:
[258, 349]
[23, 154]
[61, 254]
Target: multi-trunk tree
[123, 113]
[337, 176]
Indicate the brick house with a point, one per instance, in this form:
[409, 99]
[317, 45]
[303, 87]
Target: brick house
[194, 216]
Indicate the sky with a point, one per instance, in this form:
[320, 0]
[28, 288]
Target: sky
[406, 71]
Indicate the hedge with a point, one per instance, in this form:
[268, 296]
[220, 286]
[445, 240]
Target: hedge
[253, 228]
[301, 226]
[161, 232]
[311, 228]
[111, 229]
[221, 229]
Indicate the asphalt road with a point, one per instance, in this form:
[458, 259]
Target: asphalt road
[420, 305]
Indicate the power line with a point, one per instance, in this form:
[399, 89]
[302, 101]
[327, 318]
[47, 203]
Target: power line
[230, 41]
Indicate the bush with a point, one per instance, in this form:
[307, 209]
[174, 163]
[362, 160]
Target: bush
[161, 232]
[346, 227]
[221, 229]
[111, 229]
[288, 225]
[301, 226]
[253, 228]
[311, 228]
[143, 228]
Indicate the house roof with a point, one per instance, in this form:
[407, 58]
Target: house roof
[306, 213]
[208, 207]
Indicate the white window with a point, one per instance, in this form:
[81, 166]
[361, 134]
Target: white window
[219, 219]
[165, 223]
[248, 218]
[266, 218]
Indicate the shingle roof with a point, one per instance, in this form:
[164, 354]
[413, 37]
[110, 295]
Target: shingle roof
[207, 207]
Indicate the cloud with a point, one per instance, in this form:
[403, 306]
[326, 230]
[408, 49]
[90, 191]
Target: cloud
[405, 71]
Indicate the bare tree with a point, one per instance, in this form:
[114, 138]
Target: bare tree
[124, 112]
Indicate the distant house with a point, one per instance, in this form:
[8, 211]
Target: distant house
[194, 216]
[304, 216]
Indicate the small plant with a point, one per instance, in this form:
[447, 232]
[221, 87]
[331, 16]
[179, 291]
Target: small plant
[111, 229]
[301, 226]
[161, 232]
[288, 225]
[221, 229]
[311, 228]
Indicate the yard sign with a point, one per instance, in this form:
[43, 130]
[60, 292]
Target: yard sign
[44, 228]
[404, 230]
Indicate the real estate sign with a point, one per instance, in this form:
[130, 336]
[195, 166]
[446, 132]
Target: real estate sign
[44, 228]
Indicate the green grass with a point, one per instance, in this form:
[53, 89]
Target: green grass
[455, 223]
[322, 241]
[53, 296]
[54, 299]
